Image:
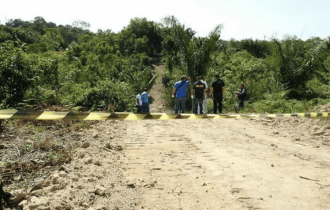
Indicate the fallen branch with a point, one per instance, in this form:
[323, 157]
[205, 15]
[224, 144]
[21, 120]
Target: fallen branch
[309, 179]
[244, 198]
[19, 153]
[109, 150]
[299, 143]
[300, 157]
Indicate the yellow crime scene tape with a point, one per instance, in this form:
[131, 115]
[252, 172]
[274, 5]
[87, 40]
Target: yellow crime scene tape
[48, 115]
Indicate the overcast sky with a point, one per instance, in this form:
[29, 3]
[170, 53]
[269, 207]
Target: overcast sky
[241, 19]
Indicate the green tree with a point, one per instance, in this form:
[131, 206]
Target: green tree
[53, 39]
[17, 74]
[39, 24]
[194, 53]
[292, 66]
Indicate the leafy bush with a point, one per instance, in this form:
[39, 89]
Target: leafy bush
[110, 96]
[17, 74]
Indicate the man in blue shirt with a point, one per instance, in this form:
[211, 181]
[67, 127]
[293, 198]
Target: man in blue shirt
[145, 101]
[180, 92]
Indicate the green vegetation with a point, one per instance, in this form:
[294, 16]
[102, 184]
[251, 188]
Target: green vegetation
[5, 164]
[53, 157]
[290, 75]
[41, 63]
[45, 64]
[27, 145]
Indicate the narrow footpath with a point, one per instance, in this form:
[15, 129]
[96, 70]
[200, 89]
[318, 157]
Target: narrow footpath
[158, 90]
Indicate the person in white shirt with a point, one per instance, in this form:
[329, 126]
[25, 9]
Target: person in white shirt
[138, 103]
[205, 100]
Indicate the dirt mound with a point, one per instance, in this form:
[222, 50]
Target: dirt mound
[323, 108]
[301, 130]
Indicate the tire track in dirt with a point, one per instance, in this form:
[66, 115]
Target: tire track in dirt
[167, 161]
[222, 164]
[188, 164]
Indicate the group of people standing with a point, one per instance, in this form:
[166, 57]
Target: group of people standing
[142, 102]
[199, 93]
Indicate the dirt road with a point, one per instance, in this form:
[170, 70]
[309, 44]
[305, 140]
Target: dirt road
[224, 164]
[192, 164]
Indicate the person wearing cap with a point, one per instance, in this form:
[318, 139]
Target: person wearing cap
[216, 93]
[198, 92]
[179, 91]
[145, 101]
[241, 95]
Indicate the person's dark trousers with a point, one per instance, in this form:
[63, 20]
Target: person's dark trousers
[198, 101]
[240, 103]
[145, 107]
[180, 104]
[138, 108]
[217, 100]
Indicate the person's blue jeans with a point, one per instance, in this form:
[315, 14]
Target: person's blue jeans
[198, 101]
[145, 107]
[180, 105]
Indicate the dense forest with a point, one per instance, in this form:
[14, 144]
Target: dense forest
[44, 64]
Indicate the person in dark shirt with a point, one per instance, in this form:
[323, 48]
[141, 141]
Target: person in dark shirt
[198, 91]
[241, 95]
[216, 93]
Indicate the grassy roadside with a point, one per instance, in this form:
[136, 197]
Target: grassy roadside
[31, 150]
